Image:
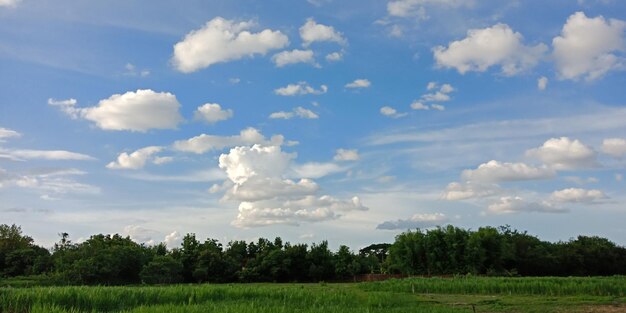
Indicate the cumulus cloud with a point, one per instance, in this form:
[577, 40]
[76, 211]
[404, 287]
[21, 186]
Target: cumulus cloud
[173, 239]
[507, 205]
[483, 48]
[359, 83]
[312, 32]
[542, 83]
[615, 147]
[301, 88]
[469, 190]
[589, 47]
[416, 221]
[417, 105]
[203, 143]
[135, 160]
[7, 133]
[263, 188]
[334, 57]
[294, 56]
[578, 195]
[257, 178]
[222, 40]
[494, 171]
[416, 8]
[438, 93]
[391, 112]
[347, 155]
[212, 113]
[564, 154]
[135, 111]
[297, 112]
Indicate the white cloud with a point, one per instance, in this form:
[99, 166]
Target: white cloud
[494, 171]
[162, 160]
[212, 113]
[67, 106]
[391, 112]
[140, 234]
[359, 83]
[507, 205]
[408, 8]
[203, 143]
[468, 190]
[317, 170]
[440, 96]
[250, 215]
[542, 83]
[135, 111]
[619, 177]
[438, 107]
[9, 3]
[44, 155]
[135, 160]
[417, 105]
[50, 183]
[416, 221]
[615, 147]
[301, 88]
[587, 47]
[577, 195]
[7, 133]
[242, 163]
[483, 48]
[312, 32]
[347, 155]
[173, 239]
[131, 70]
[264, 188]
[297, 112]
[222, 40]
[564, 154]
[258, 180]
[294, 56]
[334, 57]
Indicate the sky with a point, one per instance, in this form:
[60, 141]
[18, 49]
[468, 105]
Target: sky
[339, 120]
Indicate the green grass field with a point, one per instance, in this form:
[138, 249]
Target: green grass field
[471, 294]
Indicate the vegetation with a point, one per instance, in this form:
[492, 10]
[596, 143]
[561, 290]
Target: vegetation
[455, 295]
[117, 260]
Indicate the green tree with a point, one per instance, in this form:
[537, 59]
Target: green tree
[163, 269]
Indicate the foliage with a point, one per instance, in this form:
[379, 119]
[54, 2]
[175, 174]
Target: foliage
[115, 260]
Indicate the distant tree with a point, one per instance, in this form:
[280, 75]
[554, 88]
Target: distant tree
[321, 260]
[346, 263]
[19, 255]
[163, 269]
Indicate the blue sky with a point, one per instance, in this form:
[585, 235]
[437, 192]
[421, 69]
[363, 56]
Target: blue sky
[322, 119]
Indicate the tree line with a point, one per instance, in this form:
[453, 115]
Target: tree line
[116, 260]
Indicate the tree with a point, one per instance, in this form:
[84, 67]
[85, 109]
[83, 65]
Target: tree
[18, 254]
[163, 269]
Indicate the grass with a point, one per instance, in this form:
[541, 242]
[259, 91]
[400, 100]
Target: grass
[435, 295]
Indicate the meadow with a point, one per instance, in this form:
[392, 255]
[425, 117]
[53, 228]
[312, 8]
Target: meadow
[436, 295]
